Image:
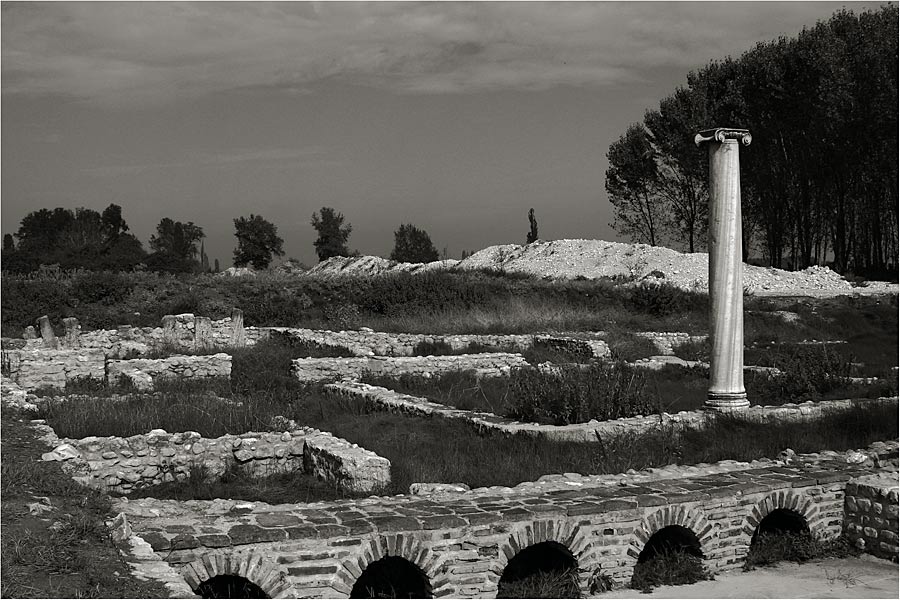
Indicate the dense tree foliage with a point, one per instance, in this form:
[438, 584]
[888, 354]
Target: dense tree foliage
[175, 247]
[413, 245]
[333, 234]
[82, 238]
[532, 230]
[258, 241]
[819, 182]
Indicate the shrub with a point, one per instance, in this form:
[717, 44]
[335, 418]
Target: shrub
[436, 348]
[671, 567]
[630, 347]
[665, 299]
[106, 288]
[577, 395]
[807, 372]
[770, 548]
[543, 584]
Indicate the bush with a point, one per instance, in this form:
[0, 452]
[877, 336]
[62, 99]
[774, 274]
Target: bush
[665, 299]
[630, 347]
[577, 395]
[436, 348]
[807, 373]
[771, 548]
[668, 568]
[106, 288]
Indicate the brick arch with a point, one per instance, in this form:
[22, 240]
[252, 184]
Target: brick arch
[560, 531]
[784, 499]
[393, 544]
[689, 518]
[254, 567]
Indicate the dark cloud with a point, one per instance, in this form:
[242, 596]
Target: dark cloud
[151, 52]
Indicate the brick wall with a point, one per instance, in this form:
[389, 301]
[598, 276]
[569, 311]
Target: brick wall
[871, 514]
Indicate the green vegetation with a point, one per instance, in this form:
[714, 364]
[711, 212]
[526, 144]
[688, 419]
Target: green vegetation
[795, 546]
[672, 567]
[333, 234]
[257, 240]
[437, 302]
[55, 543]
[804, 201]
[413, 245]
[281, 488]
[543, 584]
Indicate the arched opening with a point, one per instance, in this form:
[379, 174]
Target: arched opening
[229, 586]
[392, 577]
[782, 535]
[543, 570]
[672, 556]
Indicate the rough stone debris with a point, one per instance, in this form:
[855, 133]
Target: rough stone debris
[593, 259]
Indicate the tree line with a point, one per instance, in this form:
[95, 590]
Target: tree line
[86, 239]
[819, 181]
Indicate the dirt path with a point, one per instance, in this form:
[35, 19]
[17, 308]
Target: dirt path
[863, 577]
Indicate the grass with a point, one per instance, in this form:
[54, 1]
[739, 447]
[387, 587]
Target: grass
[60, 549]
[437, 302]
[672, 567]
[800, 547]
[573, 395]
[543, 584]
[437, 450]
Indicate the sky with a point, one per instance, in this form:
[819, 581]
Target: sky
[456, 117]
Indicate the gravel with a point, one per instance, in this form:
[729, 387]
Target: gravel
[593, 259]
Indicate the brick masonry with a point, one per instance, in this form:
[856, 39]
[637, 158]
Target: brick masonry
[462, 542]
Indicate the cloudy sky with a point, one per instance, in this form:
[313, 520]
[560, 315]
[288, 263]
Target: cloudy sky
[456, 117]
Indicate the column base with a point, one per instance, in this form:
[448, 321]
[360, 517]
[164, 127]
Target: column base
[726, 401]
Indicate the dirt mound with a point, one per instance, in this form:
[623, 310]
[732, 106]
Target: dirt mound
[356, 266]
[593, 259]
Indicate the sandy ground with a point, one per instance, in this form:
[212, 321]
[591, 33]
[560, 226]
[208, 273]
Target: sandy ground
[864, 577]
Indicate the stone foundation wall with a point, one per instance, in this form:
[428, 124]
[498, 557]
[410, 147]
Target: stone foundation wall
[367, 342]
[126, 464]
[390, 400]
[666, 342]
[32, 369]
[870, 509]
[185, 367]
[584, 349]
[333, 369]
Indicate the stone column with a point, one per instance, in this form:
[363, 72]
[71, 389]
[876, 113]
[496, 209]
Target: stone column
[47, 334]
[73, 332]
[169, 338]
[238, 335]
[726, 290]
[202, 333]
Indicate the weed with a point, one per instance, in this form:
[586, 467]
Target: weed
[794, 546]
[543, 584]
[668, 567]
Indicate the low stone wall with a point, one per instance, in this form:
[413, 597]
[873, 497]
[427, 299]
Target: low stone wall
[127, 464]
[870, 514]
[185, 367]
[366, 342]
[666, 342]
[390, 400]
[179, 332]
[333, 369]
[32, 369]
[577, 348]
